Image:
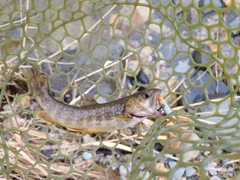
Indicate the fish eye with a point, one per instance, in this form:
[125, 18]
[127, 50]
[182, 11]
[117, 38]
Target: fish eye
[146, 95]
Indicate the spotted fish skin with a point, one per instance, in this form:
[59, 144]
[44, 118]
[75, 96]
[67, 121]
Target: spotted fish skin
[105, 117]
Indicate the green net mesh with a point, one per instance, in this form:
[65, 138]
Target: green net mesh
[111, 49]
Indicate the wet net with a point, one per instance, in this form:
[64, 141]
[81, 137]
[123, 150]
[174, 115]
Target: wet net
[109, 50]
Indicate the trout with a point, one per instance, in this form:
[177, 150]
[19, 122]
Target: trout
[92, 117]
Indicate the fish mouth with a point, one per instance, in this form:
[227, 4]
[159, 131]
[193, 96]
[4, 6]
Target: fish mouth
[133, 115]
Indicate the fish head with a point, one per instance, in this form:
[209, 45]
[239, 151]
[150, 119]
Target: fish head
[143, 104]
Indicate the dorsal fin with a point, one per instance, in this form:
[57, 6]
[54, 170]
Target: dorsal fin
[87, 100]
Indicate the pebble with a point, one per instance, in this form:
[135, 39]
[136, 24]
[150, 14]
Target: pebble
[161, 159]
[77, 159]
[123, 172]
[87, 139]
[100, 159]
[215, 178]
[219, 151]
[105, 160]
[206, 153]
[115, 166]
[160, 167]
[183, 178]
[86, 155]
[172, 164]
[178, 173]
[214, 163]
[142, 166]
[190, 171]
[47, 153]
[230, 174]
[146, 176]
[189, 155]
[218, 3]
[225, 160]
[210, 169]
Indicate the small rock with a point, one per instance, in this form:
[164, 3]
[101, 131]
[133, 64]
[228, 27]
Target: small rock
[218, 3]
[178, 173]
[86, 155]
[77, 159]
[172, 164]
[160, 159]
[115, 166]
[190, 155]
[210, 169]
[214, 164]
[215, 178]
[182, 67]
[206, 153]
[123, 172]
[107, 159]
[17, 122]
[148, 163]
[87, 139]
[225, 160]
[190, 171]
[160, 167]
[26, 100]
[47, 153]
[219, 151]
[142, 166]
[183, 178]
[146, 176]
[230, 174]
[141, 77]
[133, 67]
[101, 159]
[227, 2]
[6, 107]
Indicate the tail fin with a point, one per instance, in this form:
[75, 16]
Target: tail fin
[36, 79]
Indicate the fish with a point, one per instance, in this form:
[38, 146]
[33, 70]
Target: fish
[92, 117]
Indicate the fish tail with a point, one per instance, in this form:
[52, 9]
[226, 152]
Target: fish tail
[36, 79]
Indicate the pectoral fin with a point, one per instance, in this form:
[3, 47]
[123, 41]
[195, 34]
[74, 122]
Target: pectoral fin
[43, 115]
[87, 100]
